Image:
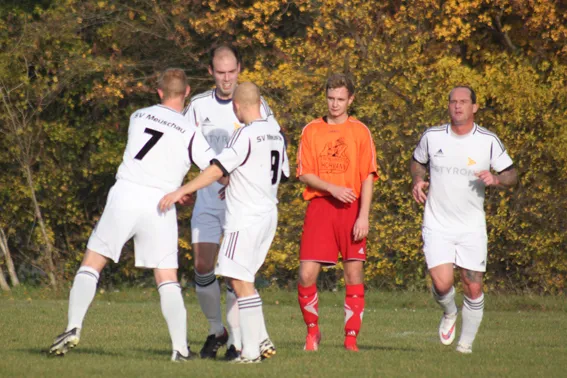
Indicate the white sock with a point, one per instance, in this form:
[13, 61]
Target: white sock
[447, 301]
[251, 318]
[175, 314]
[233, 319]
[208, 293]
[262, 327]
[82, 294]
[473, 310]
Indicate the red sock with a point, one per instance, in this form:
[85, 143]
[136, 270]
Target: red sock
[354, 309]
[309, 304]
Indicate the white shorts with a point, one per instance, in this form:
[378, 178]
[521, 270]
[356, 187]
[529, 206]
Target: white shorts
[243, 252]
[132, 211]
[207, 224]
[467, 250]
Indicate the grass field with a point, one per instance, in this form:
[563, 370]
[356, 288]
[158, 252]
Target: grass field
[125, 335]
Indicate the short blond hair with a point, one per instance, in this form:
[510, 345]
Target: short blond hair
[173, 83]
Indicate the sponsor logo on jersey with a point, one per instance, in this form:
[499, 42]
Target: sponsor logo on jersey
[452, 170]
[237, 125]
[483, 263]
[439, 153]
[470, 161]
[361, 251]
[333, 158]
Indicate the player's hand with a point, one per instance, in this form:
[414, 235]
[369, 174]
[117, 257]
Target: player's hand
[360, 230]
[488, 178]
[187, 200]
[418, 191]
[341, 193]
[222, 193]
[170, 199]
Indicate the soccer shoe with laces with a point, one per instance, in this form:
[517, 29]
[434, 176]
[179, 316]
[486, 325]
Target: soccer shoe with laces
[267, 349]
[244, 360]
[178, 357]
[464, 348]
[312, 341]
[231, 353]
[212, 345]
[65, 341]
[447, 328]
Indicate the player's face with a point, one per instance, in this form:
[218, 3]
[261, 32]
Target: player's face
[225, 72]
[338, 101]
[461, 108]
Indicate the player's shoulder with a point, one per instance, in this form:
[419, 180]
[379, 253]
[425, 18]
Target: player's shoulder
[436, 131]
[487, 135]
[358, 125]
[313, 125]
[200, 99]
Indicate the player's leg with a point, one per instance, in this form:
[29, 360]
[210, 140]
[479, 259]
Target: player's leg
[354, 302]
[318, 246]
[251, 319]
[440, 254]
[471, 258]
[206, 230]
[80, 298]
[233, 323]
[174, 312]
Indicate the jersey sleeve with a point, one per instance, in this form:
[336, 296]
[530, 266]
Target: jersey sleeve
[265, 109]
[499, 158]
[285, 165]
[306, 162]
[367, 156]
[235, 153]
[200, 153]
[421, 154]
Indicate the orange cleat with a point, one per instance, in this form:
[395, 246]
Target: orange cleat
[312, 341]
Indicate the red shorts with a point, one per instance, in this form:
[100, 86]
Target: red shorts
[327, 230]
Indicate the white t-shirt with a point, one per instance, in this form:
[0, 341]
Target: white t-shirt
[216, 120]
[161, 147]
[255, 158]
[456, 196]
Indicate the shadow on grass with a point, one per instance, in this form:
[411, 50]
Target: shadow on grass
[296, 345]
[80, 351]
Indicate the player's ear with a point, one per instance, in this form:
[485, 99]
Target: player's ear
[474, 108]
[187, 91]
[210, 69]
[160, 94]
[350, 100]
[238, 67]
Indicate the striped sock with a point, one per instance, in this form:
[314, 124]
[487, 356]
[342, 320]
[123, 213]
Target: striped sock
[251, 317]
[473, 310]
[82, 294]
[208, 293]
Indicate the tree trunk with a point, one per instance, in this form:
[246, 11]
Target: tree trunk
[8, 256]
[3, 284]
[48, 247]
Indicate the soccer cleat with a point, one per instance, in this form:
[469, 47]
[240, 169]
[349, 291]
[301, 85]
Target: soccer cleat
[65, 341]
[312, 341]
[178, 357]
[350, 344]
[212, 345]
[231, 353]
[267, 349]
[464, 348]
[244, 360]
[447, 328]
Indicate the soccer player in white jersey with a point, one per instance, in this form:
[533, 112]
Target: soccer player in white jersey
[161, 147]
[211, 112]
[460, 156]
[255, 158]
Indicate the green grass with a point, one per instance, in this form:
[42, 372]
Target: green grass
[125, 335]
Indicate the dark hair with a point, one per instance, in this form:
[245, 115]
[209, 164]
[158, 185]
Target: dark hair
[220, 47]
[473, 94]
[339, 80]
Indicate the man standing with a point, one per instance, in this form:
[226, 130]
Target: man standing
[160, 150]
[211, 112]
[255, 158]
[459, 155]
[337, 162]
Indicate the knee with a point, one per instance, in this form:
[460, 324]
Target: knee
[442, 287]
[307, 278]
[473, 290]
[203, 266]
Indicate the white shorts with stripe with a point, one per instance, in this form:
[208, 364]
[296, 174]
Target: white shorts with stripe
[131, 211]
[465, 249]
[243, 252]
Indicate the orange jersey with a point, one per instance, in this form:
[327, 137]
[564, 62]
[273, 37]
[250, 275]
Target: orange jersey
[342, 154]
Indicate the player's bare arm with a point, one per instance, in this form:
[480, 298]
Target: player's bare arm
[345, 195]
[505, 179]
[361, 226]
[418, 173]
[205, 178]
